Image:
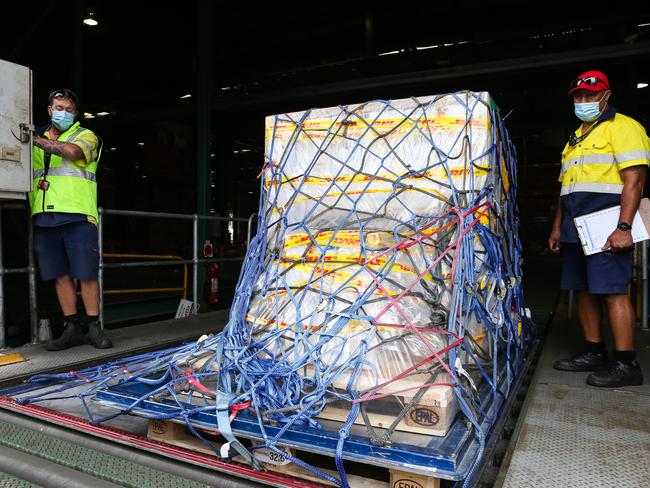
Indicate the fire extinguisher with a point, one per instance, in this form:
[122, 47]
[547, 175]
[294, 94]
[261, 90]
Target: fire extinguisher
[214, 284]
[213, 278]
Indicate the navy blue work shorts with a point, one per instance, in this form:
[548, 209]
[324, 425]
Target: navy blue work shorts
[601, 274]
[68, 249]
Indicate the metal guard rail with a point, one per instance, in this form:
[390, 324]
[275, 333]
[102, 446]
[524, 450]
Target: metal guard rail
[30, 269]
[195, 261]
[146, 290]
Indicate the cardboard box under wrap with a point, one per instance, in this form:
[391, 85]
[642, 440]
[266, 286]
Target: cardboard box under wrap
[346, 188]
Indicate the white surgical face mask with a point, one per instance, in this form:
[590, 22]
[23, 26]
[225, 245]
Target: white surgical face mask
[62, 119]
[588, 111]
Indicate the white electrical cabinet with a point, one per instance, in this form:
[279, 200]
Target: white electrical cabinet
[15, 130]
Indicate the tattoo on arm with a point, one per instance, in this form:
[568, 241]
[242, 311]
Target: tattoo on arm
[52, 147]
[60, 148]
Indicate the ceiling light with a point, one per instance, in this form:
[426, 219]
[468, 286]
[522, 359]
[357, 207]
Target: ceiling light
[420, 48]
[647, 24]
[389, 53]
[90, 19]
[141, 144]
[641, 85]
[88, 115]
[245, 150]
[187, 96]
[103, 114]
[235, 152]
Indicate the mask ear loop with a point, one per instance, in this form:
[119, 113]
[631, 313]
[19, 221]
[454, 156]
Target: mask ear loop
[603, 97]
[601, 111]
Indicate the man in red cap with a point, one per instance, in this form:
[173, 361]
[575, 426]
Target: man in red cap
[604, 164]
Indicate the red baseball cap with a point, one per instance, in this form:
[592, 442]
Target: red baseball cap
[592, 80]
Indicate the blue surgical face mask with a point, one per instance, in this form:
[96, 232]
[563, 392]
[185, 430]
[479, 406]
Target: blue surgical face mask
[62, 119]
[589, 111]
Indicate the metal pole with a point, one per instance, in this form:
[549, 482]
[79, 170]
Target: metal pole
[2, 297]
[250, 226]
[204, 89]
[33, 304]
[195, 265]
[369, 27]
[644, 278]
[165, 263]
[165, 215]
[100, 277]
[78, 64]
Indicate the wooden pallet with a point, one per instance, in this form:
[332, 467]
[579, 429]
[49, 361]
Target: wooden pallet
[432, 415]
[177, 434]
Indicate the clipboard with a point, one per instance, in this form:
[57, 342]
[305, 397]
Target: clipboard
[594, 228]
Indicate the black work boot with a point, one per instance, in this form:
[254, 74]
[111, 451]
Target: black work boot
[71, 336]
[617, 375]
[96, 336]
[584, 361]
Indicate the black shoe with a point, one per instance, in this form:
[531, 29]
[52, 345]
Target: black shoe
[71, 336]
[96, 336]
[584, 361]
[617, 375]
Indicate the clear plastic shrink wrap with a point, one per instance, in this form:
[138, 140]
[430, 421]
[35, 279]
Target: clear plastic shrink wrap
[345, 187]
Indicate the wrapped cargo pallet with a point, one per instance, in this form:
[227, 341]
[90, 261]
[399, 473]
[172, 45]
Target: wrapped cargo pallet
[356, 274]
[384, 282]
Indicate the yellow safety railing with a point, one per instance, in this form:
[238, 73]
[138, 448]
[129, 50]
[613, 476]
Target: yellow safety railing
[148, 290]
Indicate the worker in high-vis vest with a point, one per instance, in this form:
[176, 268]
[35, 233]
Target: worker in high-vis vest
[604, 164]
[63, 201]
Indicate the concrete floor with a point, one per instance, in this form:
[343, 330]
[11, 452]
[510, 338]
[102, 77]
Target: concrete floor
[571, 434]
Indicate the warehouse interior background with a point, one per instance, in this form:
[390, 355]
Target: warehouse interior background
[179, 96]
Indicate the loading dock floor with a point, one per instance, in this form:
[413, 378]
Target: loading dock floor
[126, 341]
[570, 434]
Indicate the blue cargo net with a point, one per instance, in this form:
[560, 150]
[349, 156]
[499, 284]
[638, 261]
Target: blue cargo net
[386, 268]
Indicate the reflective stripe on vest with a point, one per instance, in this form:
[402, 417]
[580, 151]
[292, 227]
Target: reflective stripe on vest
[631, 156]
[68, 168]
[75, 133]
[590, 159]
[611, 188]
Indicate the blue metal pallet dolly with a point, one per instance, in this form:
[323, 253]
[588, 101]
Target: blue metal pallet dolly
[448, 457]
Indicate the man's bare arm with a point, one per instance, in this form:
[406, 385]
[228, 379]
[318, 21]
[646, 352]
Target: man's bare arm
[554, 239]
[633, 183]
[66, 150]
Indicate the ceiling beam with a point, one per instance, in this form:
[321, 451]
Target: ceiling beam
[521, 64]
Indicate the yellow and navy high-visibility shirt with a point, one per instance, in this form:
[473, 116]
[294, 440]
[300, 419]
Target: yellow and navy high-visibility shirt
[590, 174]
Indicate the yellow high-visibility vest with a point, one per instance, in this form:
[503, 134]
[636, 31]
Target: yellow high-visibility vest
[72, 185]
